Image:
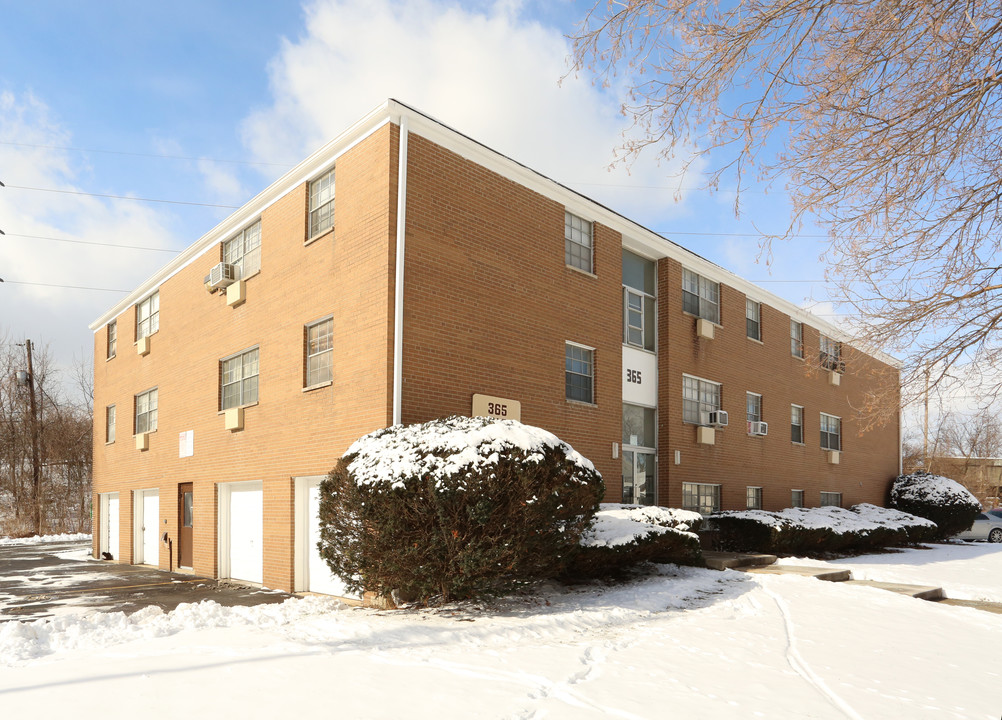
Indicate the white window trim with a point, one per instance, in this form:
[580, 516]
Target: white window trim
[699, 295]
[324, 383]
[759, 396]
[110, 420]
[802, 416]
[830, 492]
[222, 394]
[749, 305]
[135, 412]
[759, 494]
[802, 498]
[799, 339]
[592, 350]
[111, 340]
[821, 429]
[311, 210]
[568, 233]
[720, 393]
[148, 300]
[717, 486]
[239, 260]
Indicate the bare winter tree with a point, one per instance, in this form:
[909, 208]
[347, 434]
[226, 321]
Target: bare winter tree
[881, 118]
[65, 430]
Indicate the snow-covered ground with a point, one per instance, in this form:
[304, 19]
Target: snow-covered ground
[684, 643]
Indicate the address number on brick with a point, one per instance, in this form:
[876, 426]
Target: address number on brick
[496, 407]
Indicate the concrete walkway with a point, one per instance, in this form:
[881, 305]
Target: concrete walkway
[764, 564]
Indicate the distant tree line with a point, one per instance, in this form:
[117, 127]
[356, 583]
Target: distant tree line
[53, 444]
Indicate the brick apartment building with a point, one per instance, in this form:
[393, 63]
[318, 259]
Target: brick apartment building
[228, 384]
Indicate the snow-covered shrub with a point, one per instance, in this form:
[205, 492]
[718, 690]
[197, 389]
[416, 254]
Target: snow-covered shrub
[815, 531]
[623, 536]
[944, 501]
[455, 508]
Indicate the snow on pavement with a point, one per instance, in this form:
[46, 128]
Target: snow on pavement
[685, 643]
[965, 571]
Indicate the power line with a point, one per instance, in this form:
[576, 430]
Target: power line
[149, 155]
[122, 197]
[65, 287]
[91, 242]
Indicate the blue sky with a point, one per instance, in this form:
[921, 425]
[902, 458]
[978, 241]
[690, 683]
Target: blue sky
[209, 101]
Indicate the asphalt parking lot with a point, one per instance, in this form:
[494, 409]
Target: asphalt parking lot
[57, 578]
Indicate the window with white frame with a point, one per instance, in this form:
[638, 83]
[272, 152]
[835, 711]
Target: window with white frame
[753, 406]
[322, 203]
[797, 424]
[243, 252]
[146, 411]
[700, 297]
[831, 499]
[796, 339]
[753, 498]
[639, 321]
[319, 352]
[579, 374]
[112, 339]
[831, 432]
[238, 379]
[703, 498]
[797, 498]
[577, 242]
[109, 424]
[753, 319]
[698, 398]
[831, 354]
[148, 316]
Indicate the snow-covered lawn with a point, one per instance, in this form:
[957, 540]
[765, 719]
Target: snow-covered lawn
[685, 643]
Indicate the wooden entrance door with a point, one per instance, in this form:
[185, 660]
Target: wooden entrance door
[185, 512]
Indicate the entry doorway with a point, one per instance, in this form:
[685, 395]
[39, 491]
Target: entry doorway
[108, 544]
[185, 524]
[639, 477]
[146, 540]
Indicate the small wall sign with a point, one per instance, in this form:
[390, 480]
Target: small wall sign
[186, 444]
[496, 407]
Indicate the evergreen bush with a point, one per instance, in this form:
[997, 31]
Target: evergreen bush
[944, 501]
[623, 536]
[456, 508]
[818, 531]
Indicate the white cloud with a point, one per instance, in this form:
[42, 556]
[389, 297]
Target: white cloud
[488, 73]
[222, 183]
[44, 311]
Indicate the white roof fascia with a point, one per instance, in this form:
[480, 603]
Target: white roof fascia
[316, 164]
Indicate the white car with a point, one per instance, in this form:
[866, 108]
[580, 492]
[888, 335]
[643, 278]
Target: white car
[987, 526]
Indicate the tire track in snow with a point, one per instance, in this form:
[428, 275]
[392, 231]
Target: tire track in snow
[800, 665]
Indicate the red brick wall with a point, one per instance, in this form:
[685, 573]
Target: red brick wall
[289, 433]
[490, 304]
[868, 460]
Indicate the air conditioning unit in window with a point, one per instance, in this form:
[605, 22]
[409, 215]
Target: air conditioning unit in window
[758, 428]
[715, 418]
[222, 275]
[833, 457]
[704, 329]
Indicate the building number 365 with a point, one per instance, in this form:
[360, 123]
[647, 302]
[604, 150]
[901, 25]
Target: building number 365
[633, 376]
[497, 409]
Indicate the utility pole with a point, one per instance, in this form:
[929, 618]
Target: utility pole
[36, 477]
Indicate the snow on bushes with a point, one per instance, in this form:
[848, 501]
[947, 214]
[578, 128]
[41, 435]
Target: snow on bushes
[944, 501]
[622, 536]
[455, 508]
[812, 531]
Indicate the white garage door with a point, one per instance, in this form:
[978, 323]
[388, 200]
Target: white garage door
[109, 524]
[243, 534]
[312, 574]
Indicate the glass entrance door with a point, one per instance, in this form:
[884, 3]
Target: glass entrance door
[639, 477]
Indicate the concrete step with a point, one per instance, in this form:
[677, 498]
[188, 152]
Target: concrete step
[976, 604]
[922, 592]
[827, 574]
[717, 560]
